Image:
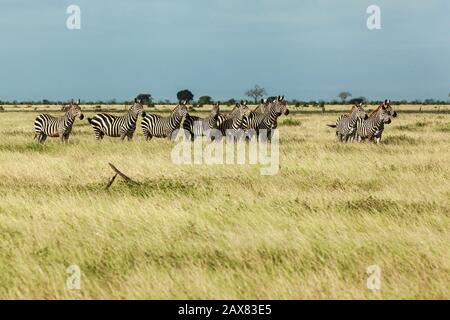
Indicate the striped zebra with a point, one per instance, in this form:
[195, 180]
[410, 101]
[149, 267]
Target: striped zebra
[389, 109]
[231, 124]
[346, 123]
[266, 120]
[154, 125]
[197, 126]
[232, 114]
[372, 128]
[48, 126]
[263, 105]
[115, 126]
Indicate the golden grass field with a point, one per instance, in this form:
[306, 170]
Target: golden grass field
[225, 231]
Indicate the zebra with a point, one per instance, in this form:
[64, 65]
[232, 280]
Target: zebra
[115, 126]
[263, 105]
[266, 120]
[232, 114]
[154, 125]
[230, 124]
[197, 126]
[389, 109]
[46, 125]
[346, 123]
[373, 127]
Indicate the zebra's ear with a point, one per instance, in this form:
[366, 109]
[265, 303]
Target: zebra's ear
[245, 102]
[78, 101]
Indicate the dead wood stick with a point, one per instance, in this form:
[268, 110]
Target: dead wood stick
[124, 176]
[110, 182]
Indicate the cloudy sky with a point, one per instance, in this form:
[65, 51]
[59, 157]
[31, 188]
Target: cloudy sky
[310, 49]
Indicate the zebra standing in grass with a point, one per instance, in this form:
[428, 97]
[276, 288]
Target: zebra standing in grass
[197, 126]
[232, 122]
[373, 127]
[48, 126]
[114, 126]
[154, 125]
[266, 120]
[346, 123]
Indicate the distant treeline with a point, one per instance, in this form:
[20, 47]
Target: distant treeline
[297, 103]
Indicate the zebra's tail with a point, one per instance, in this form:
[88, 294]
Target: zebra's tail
[331, 125]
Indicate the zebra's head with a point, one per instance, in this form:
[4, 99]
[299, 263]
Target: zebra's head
[244, 111]
[138, 108]
[181, 109]
[358, 111]
[390, 110]
[75, 109]
[215, 110]
[280, 106]
[384, 115]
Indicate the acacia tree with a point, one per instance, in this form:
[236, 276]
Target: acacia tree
[185, 95]
[256, 93]
[344, 95]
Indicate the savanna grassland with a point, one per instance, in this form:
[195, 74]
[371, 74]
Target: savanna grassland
[226, 231]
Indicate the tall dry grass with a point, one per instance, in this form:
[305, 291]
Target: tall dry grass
[225, 231]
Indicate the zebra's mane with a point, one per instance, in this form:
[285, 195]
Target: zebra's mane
[374, 112]
[351, 111]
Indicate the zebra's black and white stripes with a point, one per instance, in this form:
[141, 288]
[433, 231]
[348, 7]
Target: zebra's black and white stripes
[114, 126]
[346, 123]
[373, 127]
[197, 126]
[46, 125]
[232, 123]
[266, 120]
[154, 125]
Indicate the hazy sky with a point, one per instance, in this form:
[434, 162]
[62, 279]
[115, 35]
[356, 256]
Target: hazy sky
[309, 49]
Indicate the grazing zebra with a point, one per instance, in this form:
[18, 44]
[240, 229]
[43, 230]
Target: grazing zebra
[154, 125]
[114, 126]
[233, 123]
[48, 126]
[346, 123]
[373, 127]
[197, 126]
[267, 120]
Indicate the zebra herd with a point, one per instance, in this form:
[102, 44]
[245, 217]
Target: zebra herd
[357, 125]
[240, 119]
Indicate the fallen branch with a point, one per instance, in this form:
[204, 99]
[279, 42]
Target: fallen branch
[110, 182]
[127, 179]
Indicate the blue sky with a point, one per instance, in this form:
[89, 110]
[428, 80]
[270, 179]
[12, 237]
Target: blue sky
[310, 49]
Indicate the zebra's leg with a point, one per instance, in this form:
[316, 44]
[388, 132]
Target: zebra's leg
[130, 136]
[42, 137]
[147, 136]
[65, 138]
[98, 134]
